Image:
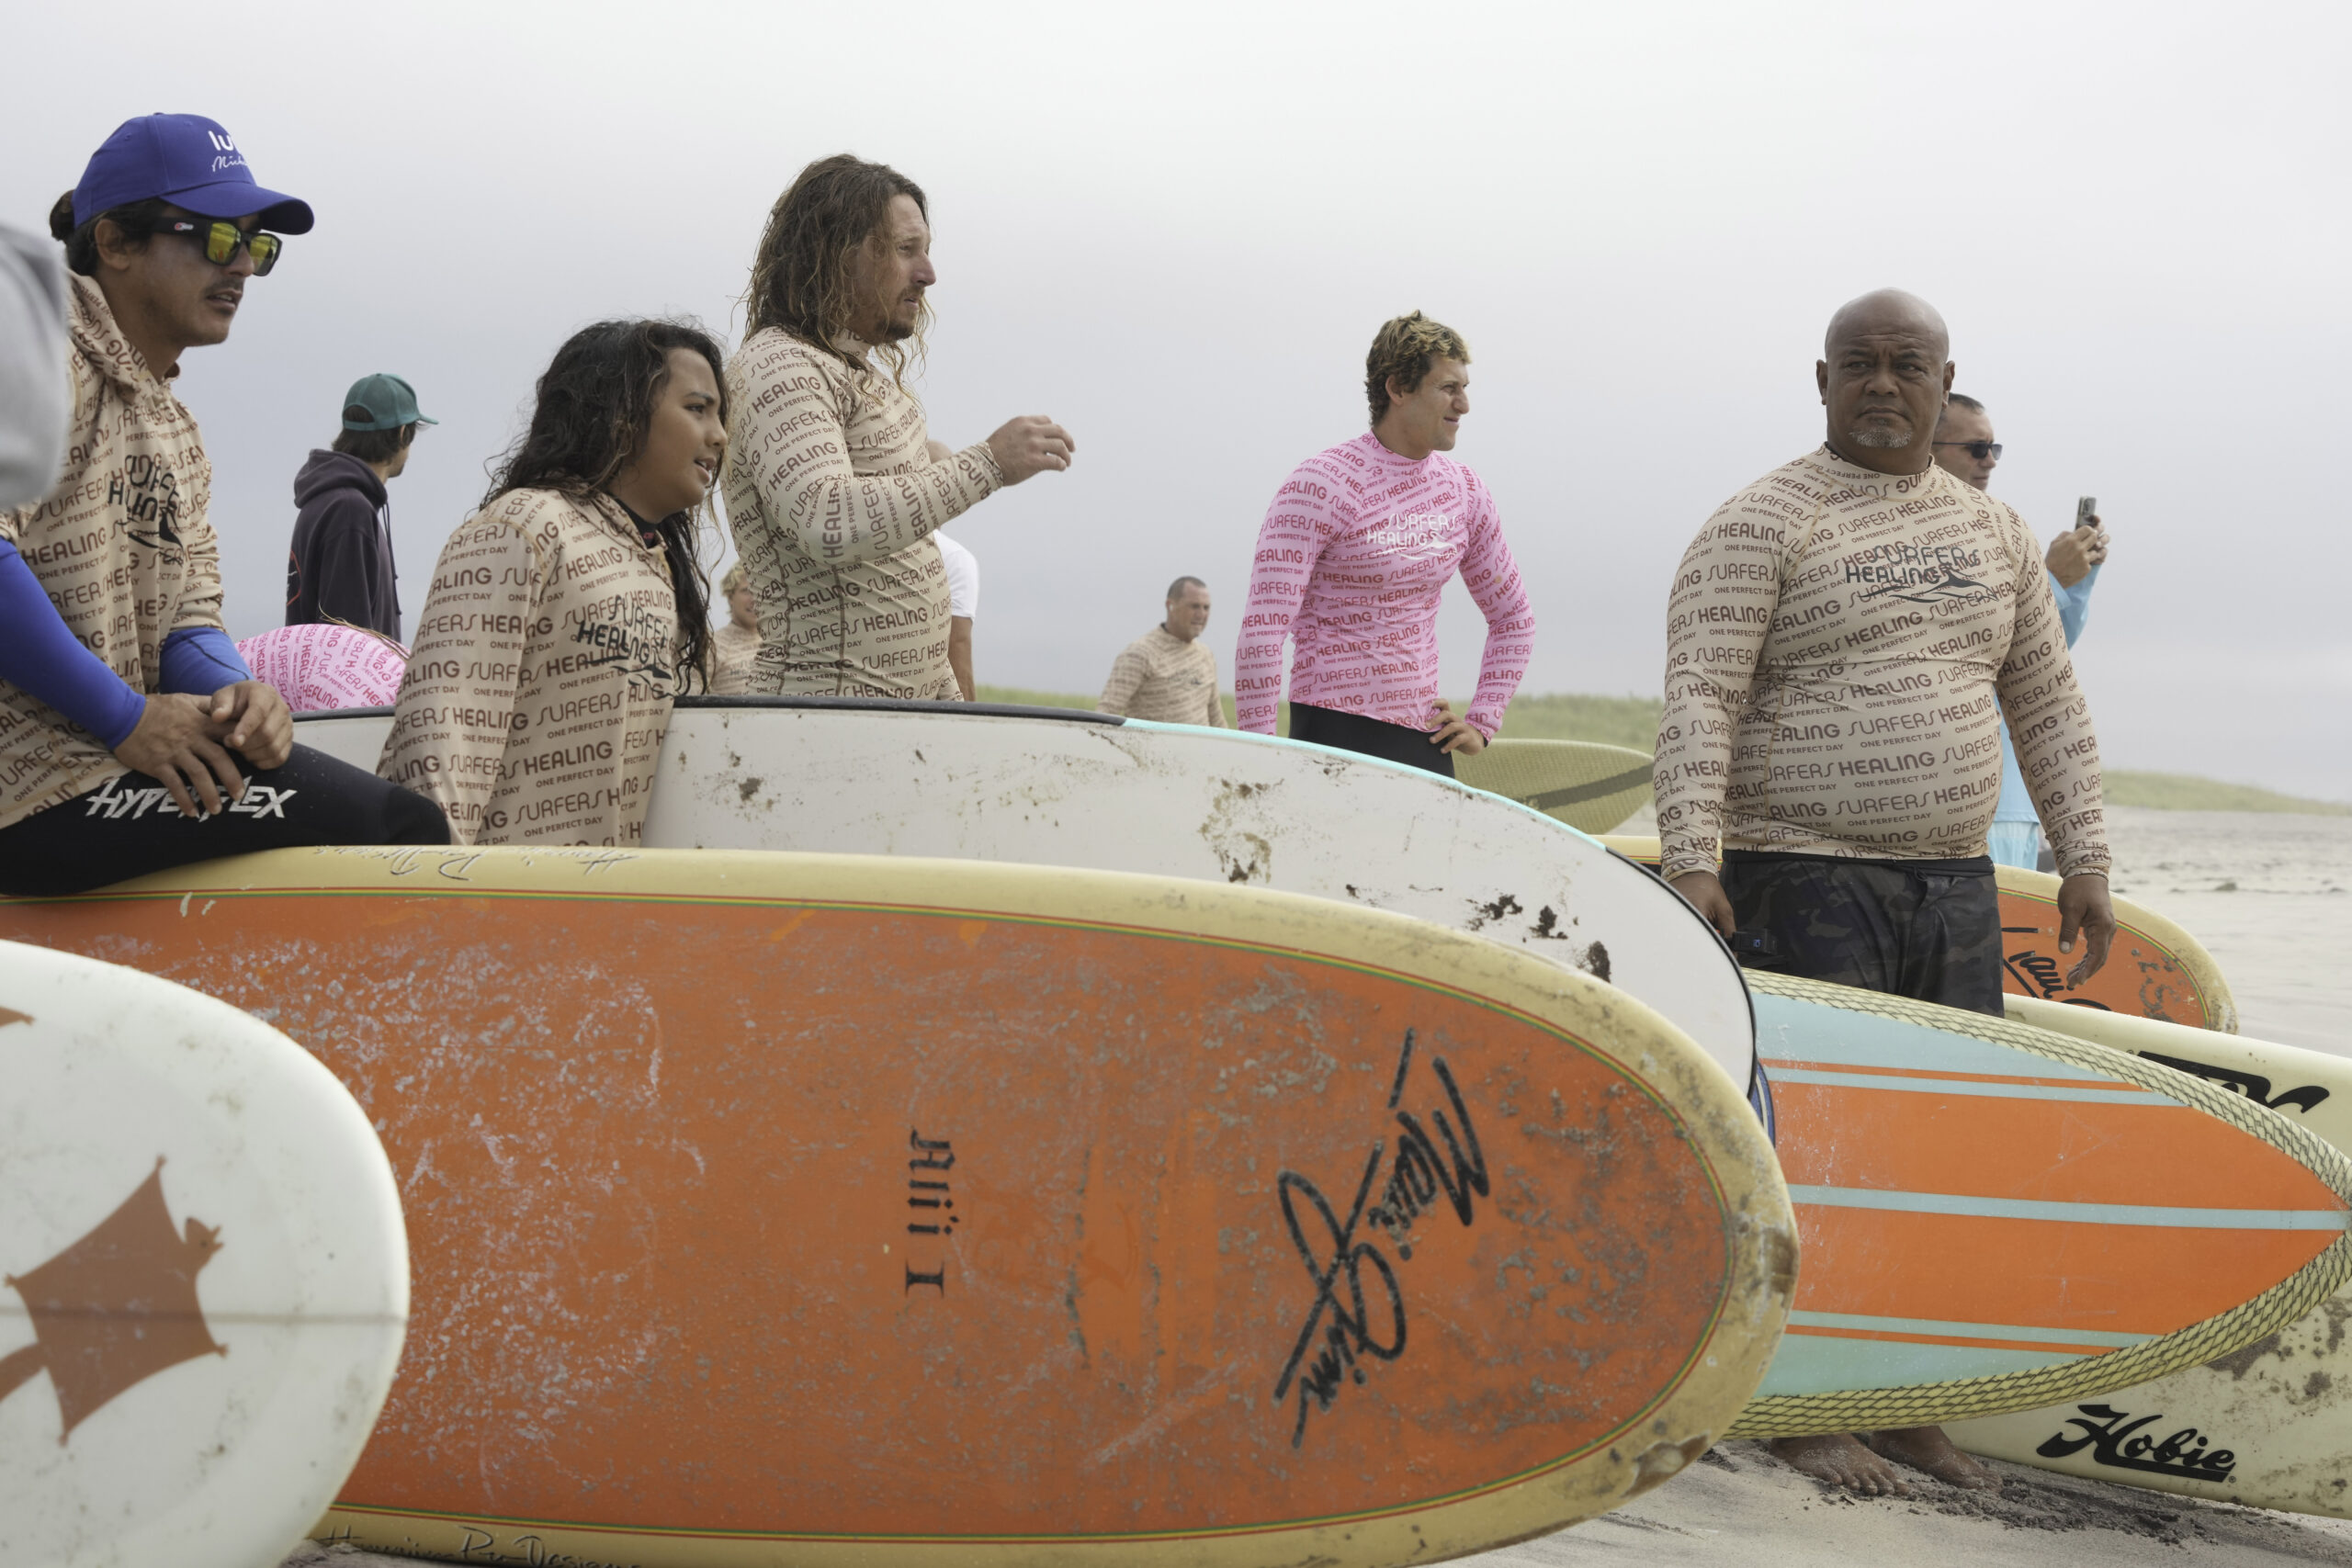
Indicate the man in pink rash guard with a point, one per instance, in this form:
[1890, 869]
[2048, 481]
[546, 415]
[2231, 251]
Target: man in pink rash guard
[1353, 554]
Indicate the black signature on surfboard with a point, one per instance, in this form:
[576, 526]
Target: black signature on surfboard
[2112, 1436]
[2039, 973]
[1358, 1311]
[2253, 1086]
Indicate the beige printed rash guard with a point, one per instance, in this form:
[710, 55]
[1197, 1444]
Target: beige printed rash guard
[832, 495]
[123, 545]
[1162, 678]
[1842, 648]
[539, 685]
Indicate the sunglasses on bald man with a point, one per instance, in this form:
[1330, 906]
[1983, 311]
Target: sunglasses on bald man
[1980, 450]
[221, 240]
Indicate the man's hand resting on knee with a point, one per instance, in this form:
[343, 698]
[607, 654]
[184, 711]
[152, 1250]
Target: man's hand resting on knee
[183, 742]
[255, 721]
[177, 743]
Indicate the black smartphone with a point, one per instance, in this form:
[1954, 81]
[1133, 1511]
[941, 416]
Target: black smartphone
[2085, 509]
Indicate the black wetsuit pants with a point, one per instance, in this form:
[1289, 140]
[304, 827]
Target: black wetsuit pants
[128, 826]
[1929, 930]
[1372, 737]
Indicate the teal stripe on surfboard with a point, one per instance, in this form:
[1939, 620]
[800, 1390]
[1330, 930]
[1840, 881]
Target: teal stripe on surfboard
[1936, 1326]
[2072, 1213]
[1824, 1363]
[1818, 1362]
[1783, 1074]
[1791, 1031]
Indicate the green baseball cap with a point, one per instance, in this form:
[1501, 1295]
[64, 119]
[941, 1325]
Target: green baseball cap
[381, 402]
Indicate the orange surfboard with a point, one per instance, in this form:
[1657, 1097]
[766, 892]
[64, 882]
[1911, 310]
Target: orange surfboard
[772, 1208]
[1991, 1212]
[2154, 970]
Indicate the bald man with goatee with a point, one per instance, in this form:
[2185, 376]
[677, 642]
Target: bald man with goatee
[1845, 637]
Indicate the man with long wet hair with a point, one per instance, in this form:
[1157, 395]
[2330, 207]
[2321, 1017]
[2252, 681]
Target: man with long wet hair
[834, 486]
[566, 615]
[133, 736]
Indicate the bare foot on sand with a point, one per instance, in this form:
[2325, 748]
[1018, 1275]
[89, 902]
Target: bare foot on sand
[1841, 1461]
[1927, 1448]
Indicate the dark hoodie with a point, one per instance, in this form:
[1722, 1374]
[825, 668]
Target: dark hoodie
[341, 566]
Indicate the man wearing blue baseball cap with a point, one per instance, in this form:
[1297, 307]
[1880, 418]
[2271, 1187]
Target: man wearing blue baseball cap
[132, 737]
[340, 569]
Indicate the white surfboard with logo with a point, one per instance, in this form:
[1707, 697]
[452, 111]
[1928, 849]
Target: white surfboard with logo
[1046, 787]
[2269, 1426]
[203, 1275]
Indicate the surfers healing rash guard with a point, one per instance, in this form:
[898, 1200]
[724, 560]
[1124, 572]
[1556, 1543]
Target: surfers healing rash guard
[539, 685]
[833, 496]
[1841, 647]
[122, 547]
[1352, 558]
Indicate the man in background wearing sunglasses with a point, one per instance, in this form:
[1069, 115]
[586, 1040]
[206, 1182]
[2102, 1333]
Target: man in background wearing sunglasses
[127, 721]
[1965, 449]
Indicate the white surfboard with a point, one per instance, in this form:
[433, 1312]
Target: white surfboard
[1046, 787]
[2269, 1426]
[203, 1275]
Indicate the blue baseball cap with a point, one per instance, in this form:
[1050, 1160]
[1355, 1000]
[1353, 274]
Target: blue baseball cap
[188, 161]
[381, 402]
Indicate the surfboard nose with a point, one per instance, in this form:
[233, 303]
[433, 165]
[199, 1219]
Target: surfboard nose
[1987, 1208]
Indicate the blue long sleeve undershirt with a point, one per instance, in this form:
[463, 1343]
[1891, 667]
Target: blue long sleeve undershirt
[2016, 803]
[39, 655]
[201, 659]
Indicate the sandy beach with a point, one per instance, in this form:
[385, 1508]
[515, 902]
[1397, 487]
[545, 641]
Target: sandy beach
[2272, 897]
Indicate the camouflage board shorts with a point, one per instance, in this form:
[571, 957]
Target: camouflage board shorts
[1929, 930]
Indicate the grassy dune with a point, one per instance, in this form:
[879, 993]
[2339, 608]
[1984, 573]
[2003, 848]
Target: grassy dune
[1618, 721]
[1024, 698]
[1633, 721]
[1569, 716]
[2185, 792]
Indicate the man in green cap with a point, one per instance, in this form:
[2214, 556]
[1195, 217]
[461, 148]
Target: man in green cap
[340, 569]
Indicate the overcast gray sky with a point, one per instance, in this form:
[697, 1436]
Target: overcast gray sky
[1175, 229]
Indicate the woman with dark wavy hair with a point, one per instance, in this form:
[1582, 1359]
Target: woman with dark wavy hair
[567, 614]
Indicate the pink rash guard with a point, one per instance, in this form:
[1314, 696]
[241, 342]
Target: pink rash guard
[1352, 557]
[320, 666]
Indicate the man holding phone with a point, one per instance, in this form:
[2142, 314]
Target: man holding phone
[1965, 448]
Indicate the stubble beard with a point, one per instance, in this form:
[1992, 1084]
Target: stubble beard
[896, 331]
[1879, 439]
